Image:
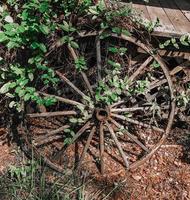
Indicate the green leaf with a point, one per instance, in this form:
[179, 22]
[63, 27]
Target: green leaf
[42, 47]
[9, 19]
[113, 49]
[5, 88]
[31, 76]
[44, 7]
[184, 40]
[161, 46]
[73, 120]
[17, 90]
[12, 85]
[21, 93]
[21, 29]
[166, 43]
[117, 30]
[3, 37]
[24, 82]
[44, 29]
[114, 64]
[126, 32]
[27, 97]
[11, 45]
[65, 26]
[12, 104]
[74, 45]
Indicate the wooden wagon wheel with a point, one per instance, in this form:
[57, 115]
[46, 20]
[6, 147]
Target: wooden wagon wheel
[112, 114]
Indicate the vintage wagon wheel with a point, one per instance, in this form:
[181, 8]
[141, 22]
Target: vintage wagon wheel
[114, 114]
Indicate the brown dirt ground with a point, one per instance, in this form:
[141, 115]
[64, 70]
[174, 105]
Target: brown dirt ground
[7, 156]
[166, 176]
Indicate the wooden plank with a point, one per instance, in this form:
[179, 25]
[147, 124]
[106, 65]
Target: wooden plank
[157, 11]
[179, 21]
[170, 53]
[141, 8]
[184, 6]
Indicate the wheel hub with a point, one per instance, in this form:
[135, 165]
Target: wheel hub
[102, 114]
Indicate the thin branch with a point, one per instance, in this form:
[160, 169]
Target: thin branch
[102, 147]
[130, 135]
[137, 122]
[140, 69]
[87, 145]
[71, 84]
[52, 114]
[118, 145]
[64, 100]
[84, 76]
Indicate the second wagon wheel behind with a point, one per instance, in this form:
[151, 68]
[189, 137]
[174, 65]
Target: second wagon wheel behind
[113, 109]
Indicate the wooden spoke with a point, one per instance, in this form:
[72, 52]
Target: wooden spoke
[87, 82]
[47, 140]
[130, 135]
[137, 122]
[87, 144]
[117, 110]
[61, 99]
[118, 145]
[99, 59]
[52, 114]
[71, 84]
[85, 78]
[157, 83]
[140, 69]
[42, 139]
[86, 126]
[117, 104]
[81, 131]
[102, 147]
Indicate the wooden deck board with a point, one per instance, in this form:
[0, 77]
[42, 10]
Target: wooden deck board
[142, 8]
[181, 4]
[179, 21]
[174, 15]
[157, 11]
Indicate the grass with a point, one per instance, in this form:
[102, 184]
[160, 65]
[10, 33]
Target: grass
[30, 180]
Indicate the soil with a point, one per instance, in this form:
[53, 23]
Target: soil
[7, 156]
[165, 176]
